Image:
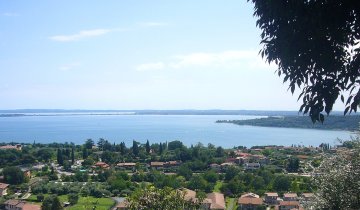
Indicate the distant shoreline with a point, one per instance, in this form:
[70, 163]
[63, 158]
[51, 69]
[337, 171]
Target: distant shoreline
[60, 112]
[335, 122]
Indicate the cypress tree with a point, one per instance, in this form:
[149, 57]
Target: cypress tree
[135, 148]
[60, 158]
[147, 146]
[72, 156]
[160, 148]
[122, 148]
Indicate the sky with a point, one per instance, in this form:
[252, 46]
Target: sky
[137, 54]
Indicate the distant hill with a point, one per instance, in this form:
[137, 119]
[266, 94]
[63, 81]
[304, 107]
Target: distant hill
[333, 122]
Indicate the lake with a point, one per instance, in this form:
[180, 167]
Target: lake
[190, 129]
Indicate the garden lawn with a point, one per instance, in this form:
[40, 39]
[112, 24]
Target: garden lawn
[84, 203]
[89, 202]
[231, 203]
[218, 186]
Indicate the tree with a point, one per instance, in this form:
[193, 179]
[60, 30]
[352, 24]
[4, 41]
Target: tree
[166, 198]
[122, 148]
[51, 202]
[72, 156]
[44, 154]
[160, 148]
[282, 183]
[89, 144]
[315, 52]
[60, 158]
[73, 198]
[101, 143]
[293, 164]
[175, 144]
[13, 175]
[135, 148]
[40, 197]
[220, 152]
[147, 146]
[338, 181]
[85, 153]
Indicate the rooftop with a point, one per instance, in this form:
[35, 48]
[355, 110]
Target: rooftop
[250, 200]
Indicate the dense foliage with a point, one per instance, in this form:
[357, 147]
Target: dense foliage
[166, 199]
[13, 175]
[315, 45]
[332, 122]
[338, 181]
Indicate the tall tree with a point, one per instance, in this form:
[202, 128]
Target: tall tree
[122, 148]
[60, 158]
[293, 164]
[72, 156]
[135, 148]
[147, 146]
[101, 143]
[160, 148]
[85, 153]
[315, 51]
[89, 144]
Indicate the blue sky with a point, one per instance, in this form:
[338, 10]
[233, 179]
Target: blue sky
[135, 55]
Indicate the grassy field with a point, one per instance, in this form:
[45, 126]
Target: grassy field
[84, 203]
[218, 186]
[231, 203]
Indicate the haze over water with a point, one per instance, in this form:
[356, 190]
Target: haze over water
[190, 129]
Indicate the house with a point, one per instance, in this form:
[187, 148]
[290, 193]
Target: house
[249, 203]
[189, 195]
[16, 147]
[157, 165]
[20, 205]
[230, 160]
[217, 201]
[226, 165]
[126, 166]
[3, 189]
[271, 198]
[215, 166]
[242, 160]
[289, 205]
[290, 197]
[250, 195]
[252, 166]
[101, 165]
[172, 164]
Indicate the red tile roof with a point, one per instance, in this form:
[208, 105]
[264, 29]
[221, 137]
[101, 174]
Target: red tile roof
[29, 206]
[250, 200]
[3, 186]
[217, 200]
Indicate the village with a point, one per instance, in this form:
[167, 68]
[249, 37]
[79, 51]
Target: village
[262, 177]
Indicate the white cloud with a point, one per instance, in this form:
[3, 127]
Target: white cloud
[10, 14]
[221, 58]
[150, 66]
[70, 66]
[80, 35]
[245, 59]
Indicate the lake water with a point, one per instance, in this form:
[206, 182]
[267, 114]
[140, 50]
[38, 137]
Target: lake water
[190, 129]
